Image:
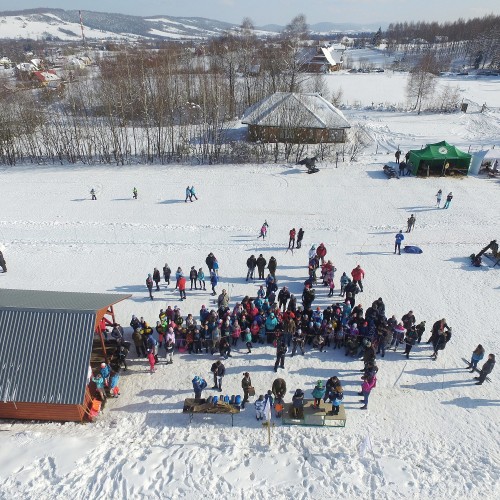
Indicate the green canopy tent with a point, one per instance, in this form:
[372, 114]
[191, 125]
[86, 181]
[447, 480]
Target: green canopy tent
[436, 156]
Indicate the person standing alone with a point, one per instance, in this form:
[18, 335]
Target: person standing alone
[399, 238]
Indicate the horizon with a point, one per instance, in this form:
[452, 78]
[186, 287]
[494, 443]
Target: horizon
[279, 12]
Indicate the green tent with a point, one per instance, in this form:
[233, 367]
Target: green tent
[436, 156]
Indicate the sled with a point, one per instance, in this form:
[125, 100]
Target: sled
[312, 170]
[475, 369]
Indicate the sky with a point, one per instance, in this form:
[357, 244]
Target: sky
[281, 11]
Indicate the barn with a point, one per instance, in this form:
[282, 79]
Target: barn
[295, 118]
[48, 342]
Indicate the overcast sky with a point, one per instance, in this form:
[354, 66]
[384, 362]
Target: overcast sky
[281, 11]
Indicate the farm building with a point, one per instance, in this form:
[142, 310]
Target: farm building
[321, 59]
[295, 118]
[48, 343]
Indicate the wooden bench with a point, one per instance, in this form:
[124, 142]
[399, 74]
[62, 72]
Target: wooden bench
[311, 416]
[201, 406]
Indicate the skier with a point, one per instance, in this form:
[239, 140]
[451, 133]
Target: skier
[156, 278]
[291, 241]
[477, 356]
[149, 284]
[3, 265]
[439, 195]
[448, 200]
[486, 369]
[397, 154]
[251, 264]
[411, 223]
[134, 193]
[193, 276]
[193, 193]
[261, 265]
[188, 195]
[263, 231]
[300, 236]
[92, 193]
[166, 273]
[397, 244]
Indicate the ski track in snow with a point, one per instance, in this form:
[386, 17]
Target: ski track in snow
[434, 433]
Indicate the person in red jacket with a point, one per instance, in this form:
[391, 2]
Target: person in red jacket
[182, 287]
[291, 242]
[357, 275]
[321, 252]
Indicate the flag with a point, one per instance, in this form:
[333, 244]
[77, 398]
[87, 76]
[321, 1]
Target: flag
[365, 446]
[267, 410]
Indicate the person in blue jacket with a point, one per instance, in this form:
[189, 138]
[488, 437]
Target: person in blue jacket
[99, 383]
[105, 372]
[193, 193]
[214, 279]
[399, 238]
[271, 324]
[198, 385]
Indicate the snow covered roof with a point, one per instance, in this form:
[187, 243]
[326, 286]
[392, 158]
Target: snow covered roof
[46, 76]
[307, 110]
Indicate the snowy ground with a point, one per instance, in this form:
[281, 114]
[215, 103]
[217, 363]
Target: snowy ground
[434, 433]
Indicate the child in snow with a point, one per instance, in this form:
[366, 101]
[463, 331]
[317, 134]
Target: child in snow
[113, 384]
[248, 340]
[99, 383]
[278, 407]
[344, 280]
[259, 408]
[151, 359]
[318, 393]
[337, 398]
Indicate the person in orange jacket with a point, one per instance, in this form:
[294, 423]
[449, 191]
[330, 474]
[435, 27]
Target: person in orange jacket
[182, 287]
[357, 275]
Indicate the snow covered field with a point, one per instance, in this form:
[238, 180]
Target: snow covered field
[434, 433]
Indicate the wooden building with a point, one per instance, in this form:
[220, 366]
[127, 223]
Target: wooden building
[46, 344]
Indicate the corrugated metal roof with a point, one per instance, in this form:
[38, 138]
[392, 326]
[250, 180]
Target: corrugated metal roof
[45, 355]
[297, 110]
[53, 301]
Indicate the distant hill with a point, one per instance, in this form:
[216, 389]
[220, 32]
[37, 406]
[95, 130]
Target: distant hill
[54, 24]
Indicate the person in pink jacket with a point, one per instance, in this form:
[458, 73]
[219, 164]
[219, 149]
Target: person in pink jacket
[357, 275]
[366, 388]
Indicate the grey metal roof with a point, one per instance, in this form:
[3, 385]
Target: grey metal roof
[45, 355]
[53, 301]
[297, 110]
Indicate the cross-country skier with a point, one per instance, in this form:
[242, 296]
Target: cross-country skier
[263, 231]
[134, 193]
[92, 193]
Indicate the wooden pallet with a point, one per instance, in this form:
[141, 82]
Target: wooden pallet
[311, 416]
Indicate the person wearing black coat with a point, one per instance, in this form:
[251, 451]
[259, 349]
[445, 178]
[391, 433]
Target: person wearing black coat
[219, 370]
[209, 261]
[440, 324]
[352, 287]
[281, 350]
[261, 265]
[408, 320]
[251, 264]
[486, 369]
[157, 278]
[300, 236]
[292, 304]
[308, 296]
[193, 276]
[283, 297]
[272, 266]
[166, 273]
